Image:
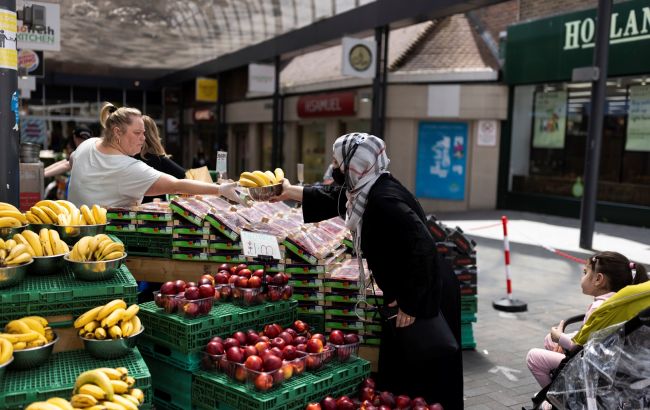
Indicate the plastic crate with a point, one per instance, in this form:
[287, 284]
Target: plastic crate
[315, 321]
[149, 245]
[57, 377]
[190, 335]
[165, 354]
[170, 384]
[468, 304]
[61, 294]
[467, 336]
[215, 390]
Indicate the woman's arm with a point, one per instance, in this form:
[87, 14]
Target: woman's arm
[318, 202]
[168, 184]
[57, 168]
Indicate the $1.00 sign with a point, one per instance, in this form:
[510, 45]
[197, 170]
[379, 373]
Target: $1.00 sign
[259, 244]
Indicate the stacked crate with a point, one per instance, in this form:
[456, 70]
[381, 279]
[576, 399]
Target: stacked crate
[145, 230]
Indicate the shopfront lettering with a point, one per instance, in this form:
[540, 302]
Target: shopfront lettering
[326, 105]
[633, 26]
[329, 105]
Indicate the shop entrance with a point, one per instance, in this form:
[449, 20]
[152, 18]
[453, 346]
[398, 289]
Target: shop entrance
[311, 151]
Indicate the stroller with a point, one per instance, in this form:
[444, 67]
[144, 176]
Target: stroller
[610, 368]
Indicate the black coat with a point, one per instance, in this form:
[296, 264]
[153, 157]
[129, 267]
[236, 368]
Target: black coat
[402, 257]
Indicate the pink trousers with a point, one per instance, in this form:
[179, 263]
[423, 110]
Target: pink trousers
[540, 362]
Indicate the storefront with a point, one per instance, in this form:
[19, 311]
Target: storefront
[543, 154]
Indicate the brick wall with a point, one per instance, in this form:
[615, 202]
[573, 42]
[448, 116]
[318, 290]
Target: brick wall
[497, 18]
[535, 9]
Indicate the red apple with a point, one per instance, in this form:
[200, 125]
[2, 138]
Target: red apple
[168, 288]
[224, 266]
[313, 406]
[419, 401]
[298, 366]
[217, 339]
[351, 338]
[387, 399]
[254, 362]
[287, 370]
[180, 286]
[272, 362]
[263, 381]
[403, 402]
[275, 293]
[245, 273]
[300, 326]
[329, 403]
[338, 338]
[191, 309]
[302, 347]
[221, 278]
[206, 291]
[242, 282]
[436, 406]
[264, 338]
[230, 342]
[299, 340]
[287, 292]
[273, 330]
[368, 383]
[275, 350]
[314, 345]
[235, 354]
[240, 373]
[268, 279]
[215, 348]
[192, 293]
[289, 352]
[250, 351]
[225, 292]
[279, 279]
[208, 278]
[261, 346]
[344, 403]
[240, 267]
[292, 332]
[367, 405]
[319, 336]
[286, 336]
[254, 282]
[241, 337]
[419, 407]
[367, 393]
[252, 338]
[278, 342]
[233, 279]
[259, 273]
[385, 407]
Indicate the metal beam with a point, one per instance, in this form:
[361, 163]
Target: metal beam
[360, 21]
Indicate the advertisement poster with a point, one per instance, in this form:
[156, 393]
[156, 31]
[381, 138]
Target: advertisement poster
[8, 53]
[40, 25]
[442, 158]
[638, 122]
[550, 119]
[33, 130]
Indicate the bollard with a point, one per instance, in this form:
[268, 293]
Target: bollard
[508, 304]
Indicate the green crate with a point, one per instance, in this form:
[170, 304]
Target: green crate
[191, 230]
[467, 317]
[57, 376]
[227, 258]
[182, 243]
[178, 211]
[190, 335]
[170, 384]
[216, 390]
[226, 231]
[121, 216]
[61, 294]
[468, 304]
[148, 230]
[467, 336]
[165, 354]
[154, 217]
[315, 321]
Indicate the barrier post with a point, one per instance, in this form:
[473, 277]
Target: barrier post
[508, 304]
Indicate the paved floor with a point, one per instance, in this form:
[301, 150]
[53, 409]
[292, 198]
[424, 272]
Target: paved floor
[496, 376]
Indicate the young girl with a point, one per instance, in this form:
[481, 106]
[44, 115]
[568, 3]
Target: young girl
[604, 274]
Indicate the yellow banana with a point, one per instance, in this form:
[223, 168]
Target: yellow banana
[127, 404]
[137, 325]
[41, 215]
[61, 403]
[98, 378]
[36, 343]
[50, 213]
[259, 181]
[271, 176]
[92, 246]
[19, 337]
[67, 205]
[19, 238]
[110, 307]
[52, 205]
[130, 381]
[88, 217]
[20, 259]
[138, 394]
[49, 334]
[113, 318]
[61, 248]
[84, 246]
[127, 328]
[109, 405]
[8, 221]
[17, 327]
[245, 182]
[120, 386]
[82, 332]
[97, 407]
[123, 371]
[90, 327]
[112, 247]
[6, 350]
[34, 242]
[81, 401]
[10, 244]
[100, 333]
[44, 237]
[54, 240]
[92, 390]
[7, 207]
[42, 405]
[40, 320]
[14, 214]
[20, 345]
[115, 332]
[131, 399]
[74, 254]
[113, 255]
[87, 335]
[111, 373]
[87, 317]
[32, 219]
[99, 214]
[75, 217]
[263, 176]
[34, 325]
[130, 312]
[63, 219]
[17, 251]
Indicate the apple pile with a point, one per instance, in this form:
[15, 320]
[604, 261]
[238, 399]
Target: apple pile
[346, 345]
[190, 299]
[278, 287]
[229, 277]
[371, 399]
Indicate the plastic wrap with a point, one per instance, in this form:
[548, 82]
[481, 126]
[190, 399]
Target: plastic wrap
[193, 205]
[611, 372]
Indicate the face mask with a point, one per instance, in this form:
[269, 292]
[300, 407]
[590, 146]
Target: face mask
[338, 176]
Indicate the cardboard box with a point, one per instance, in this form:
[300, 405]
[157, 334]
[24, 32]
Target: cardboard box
[31, 184]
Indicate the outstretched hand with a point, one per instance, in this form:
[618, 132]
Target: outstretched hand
[286, 192]
[228, 191]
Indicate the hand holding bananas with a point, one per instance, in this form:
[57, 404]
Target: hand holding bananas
[11, 217]
[113, 320]
[13, 253]
[96, 248]
[65, 213]
[258, 179]
[25, 333]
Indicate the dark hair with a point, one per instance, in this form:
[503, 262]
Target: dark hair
[619, 270]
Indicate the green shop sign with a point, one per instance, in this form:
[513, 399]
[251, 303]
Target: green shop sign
[547, 50]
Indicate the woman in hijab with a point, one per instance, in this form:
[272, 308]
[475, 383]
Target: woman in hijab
[390, 232]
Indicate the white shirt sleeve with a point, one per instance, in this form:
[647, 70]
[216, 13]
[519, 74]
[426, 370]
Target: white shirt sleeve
[138, 178]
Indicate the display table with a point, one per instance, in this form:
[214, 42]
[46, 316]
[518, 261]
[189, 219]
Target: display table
[150, 269]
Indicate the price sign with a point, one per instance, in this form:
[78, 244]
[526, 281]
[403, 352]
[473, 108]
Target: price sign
[222, 162]
[260, 244]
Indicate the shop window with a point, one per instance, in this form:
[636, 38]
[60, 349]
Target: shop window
[549, 134]
[312, 152]
[266, 146]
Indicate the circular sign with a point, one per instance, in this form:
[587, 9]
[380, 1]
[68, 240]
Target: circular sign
[28, 60]
[360, 57]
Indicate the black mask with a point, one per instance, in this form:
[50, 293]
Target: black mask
[338, 176]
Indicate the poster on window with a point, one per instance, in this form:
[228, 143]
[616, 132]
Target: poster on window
[550, 119]
[441, 162]
[638, 120]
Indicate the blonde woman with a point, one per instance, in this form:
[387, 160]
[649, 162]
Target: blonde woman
[104, 171]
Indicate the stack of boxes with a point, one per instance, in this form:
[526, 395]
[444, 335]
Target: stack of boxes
[145, 230]
[460, 251]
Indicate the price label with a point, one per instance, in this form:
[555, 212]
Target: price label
[260, 244]
[222, 162]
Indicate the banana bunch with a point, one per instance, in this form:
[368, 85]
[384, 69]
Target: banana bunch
[96, 248]
[258, 178]
[55, 403]
[113, 320]
[106, 388]
[46, 243]
[25, 333]
[65, 213]
[11, 217]
[13, 253]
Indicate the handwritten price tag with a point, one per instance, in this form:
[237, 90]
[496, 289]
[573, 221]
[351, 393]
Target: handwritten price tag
[259, 244]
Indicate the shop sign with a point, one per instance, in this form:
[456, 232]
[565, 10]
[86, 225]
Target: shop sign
[550, 119]
[207, 89]
[358, 57]
[487, 133]
[261, 78]
[327, 105]
[8, 53]
[638, 122]
[204, 114]
[549, 49]
[30, 63]
[40, 28]
[442, 159]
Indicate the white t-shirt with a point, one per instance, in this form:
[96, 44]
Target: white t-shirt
[108, 180]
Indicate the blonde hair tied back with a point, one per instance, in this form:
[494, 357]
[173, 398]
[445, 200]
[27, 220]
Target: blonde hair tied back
[111, 117]
[152, 143]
